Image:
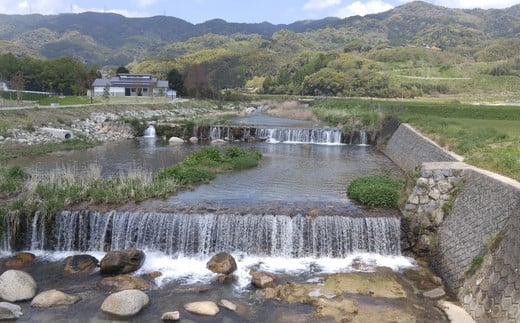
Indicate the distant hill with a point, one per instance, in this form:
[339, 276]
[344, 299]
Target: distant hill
[106, 38]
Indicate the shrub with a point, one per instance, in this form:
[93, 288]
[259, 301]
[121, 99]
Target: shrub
[376, 191]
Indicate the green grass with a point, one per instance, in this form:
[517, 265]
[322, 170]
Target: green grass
[54, 191]
[376, 191]
[202, 166]
[486, 136]
[64, 100]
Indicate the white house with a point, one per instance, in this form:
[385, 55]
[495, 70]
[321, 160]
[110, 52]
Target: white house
[131, 85]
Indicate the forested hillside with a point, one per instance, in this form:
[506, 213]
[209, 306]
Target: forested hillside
[412, 50]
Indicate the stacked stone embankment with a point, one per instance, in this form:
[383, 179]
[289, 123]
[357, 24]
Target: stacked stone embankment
[474, 241]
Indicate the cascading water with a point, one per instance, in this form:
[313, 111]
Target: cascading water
[363, 137]
[149, 132]
[331, 136]
[205, 234]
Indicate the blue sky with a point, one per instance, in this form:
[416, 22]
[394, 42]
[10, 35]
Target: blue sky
[197, 11]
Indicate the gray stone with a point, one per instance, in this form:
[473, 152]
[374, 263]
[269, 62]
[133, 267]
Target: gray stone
[206, 308]
[262, 279]
[53, 298]
[435, 293]
[424, 199]
[437, 216]
[10, 311]
[444, 186]
[122, 261]
[175, 141]
[229, 305]
[422, 182]
[424, 243]
[125, 303]
[194, 140]
[16, 285]
[413, 199]
[434, 194]
[171, 316]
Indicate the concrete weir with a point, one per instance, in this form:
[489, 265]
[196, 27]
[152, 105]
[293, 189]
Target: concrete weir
[474, 245]
[59, 133]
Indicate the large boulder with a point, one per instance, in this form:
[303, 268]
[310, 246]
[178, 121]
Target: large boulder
[80, 264]
[10, 311]
[53, 298]
[123, 282]
[16, 285]
[122, 262]
[262, 279]
[19, 260]
[125, 303]
[206, 308]
[222, 263]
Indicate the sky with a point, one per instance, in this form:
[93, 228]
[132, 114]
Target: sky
[197, 11]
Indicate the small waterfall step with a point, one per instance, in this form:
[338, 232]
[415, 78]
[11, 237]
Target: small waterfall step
[204, 234]
[331, 136]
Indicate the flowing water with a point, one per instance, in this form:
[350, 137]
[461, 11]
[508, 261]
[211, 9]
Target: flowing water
[290, 215]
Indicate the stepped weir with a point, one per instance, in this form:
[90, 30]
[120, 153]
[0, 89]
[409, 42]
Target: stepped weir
[204, 234]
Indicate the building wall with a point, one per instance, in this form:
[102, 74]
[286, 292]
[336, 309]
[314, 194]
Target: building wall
[484, 222]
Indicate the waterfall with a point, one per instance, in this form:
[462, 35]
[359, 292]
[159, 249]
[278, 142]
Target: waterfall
[288, 135]
[198, 234]
[363, 138]
[149, 132]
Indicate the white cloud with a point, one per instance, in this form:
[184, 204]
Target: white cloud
[363, 8]
[320, 4]
[146, 3]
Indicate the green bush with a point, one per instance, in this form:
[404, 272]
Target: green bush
[376, 191]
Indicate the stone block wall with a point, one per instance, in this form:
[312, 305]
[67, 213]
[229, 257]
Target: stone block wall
[483, 222]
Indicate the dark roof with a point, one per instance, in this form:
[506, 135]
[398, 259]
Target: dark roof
[131, 80]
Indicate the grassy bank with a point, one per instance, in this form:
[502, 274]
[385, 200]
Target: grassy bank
[62, 188]
[486, 136]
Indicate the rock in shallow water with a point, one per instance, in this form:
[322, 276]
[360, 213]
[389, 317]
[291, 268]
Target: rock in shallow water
[125, 303]
[206, 308]
[10, 311]
[53, 298]
[222, 263]
[80, 264]
[122, 261]
[171, 316]
[16, 285]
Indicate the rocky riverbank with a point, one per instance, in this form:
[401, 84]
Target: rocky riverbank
[82, 289]
[109, 126]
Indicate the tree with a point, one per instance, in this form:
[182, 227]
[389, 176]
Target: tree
[122, 70]
[176, 82]
[196, 81]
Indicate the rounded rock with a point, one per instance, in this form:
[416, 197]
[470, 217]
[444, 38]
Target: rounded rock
[16, 285]
[80, 264]
[10, 311]
[206, 308]
[222, 263]
[125, 303]
[53, 298]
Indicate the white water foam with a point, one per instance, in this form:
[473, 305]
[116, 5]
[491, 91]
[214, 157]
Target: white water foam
[192, 270]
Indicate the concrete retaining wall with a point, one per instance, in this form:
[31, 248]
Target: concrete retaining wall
[409, 149]
[484, 221]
